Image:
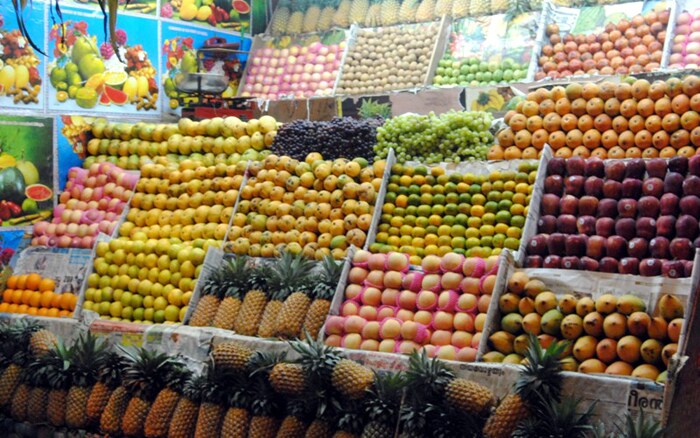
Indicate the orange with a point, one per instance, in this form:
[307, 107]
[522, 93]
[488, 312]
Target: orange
[43, 311]
[22, 308]
[616, 152]
[529, 153]
[600, 153]
[4, 307]
[52, 312]
[12, 282]
[667, 152]
[650, 153]
[63, 313]
[17, 296]
[633, 152]
[32, 311]
[7, 295]
[68, 301]
[564, 152]
[47, 284]
[22, 282]
[512, 153]
[12, 308]
[495, 153]
[46, 298]
[56, 301]
[581, 151]
[686, 151]
[26, 296]
[35, 299]
[33, 281]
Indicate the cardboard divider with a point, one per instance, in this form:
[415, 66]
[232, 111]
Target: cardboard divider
[533, 211]
[381, 196]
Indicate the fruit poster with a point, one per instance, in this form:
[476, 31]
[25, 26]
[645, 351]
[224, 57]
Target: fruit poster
[230, 15]
[85, 74]
[180, 45]
[26, 170]
[146, 7]
[21, 67]
[71, 144]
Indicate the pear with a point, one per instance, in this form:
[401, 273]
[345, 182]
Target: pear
[526, 305]
[517, 282]
[508, 302]
[513, 358]
[619, 368]
[520, 344]
[646, 371]
[569, 364]
[534, 287]
[493, 357]
[591, 366]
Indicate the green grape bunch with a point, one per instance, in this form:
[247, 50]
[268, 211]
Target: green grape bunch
[451, 137]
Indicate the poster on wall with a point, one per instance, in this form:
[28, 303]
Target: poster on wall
[180, 45]
[71, 144]
[146, 7]
[230, 15]
[26, 170]
[86, 74]
[21, 67]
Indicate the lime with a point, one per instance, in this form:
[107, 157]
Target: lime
[511, 243]
[518, 221]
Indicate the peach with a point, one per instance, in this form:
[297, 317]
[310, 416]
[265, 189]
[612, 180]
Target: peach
[407, 299]
[424, 317]
[405, 315]
[389, 296]
[463, 321]
[479, 322]
[390, 328]
[441, 337]
[333, 341]
[357, 275]
[352, 291]
[451, 280]
[431, 282]
[396, 261]
[412, 330]
[354, 324]
[427, 300]
[491, 263]
[452, 262]
[443, 320]
[385, 312]
[487, 284]
[408, 347]
[372, 296]
[369, 345]
[461, 339]
[473, 267]
[375, 278]
[335, 325]
[370, 330]
[393, 280]
[368, 312]
[412, 281]
[361, 256]
[387, 345]
[468, 302]
[349, 308]
[466, 354]
[476, 340]
[483, 304]
[376, 262]
[470, 285]
[430, 350]
[431, 264]
[351, 341]
[447, 352]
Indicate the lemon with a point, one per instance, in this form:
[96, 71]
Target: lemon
[115, 79]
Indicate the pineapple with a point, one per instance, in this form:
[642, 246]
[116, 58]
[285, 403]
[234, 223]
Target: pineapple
[288, 273]
[237, 417]
[184, 419]
[20, 399]
[325, 20]
[323, 294]
[425, 11]
[15, 354]
[161, 412]
[110, 420]
[295, 25]
[311, 17]
[382, 406]
[374, 14]
[208, 304]
[236, 279]
[351, 379]
[231, 355]
[293, 313]
[358, 11]
[390, 12]
[460, 8]
[341, 18]
[212, 410]
[265, 406]
[144, 377]
[288, 378]
[88, 357]
[38, 394]
[253, 306]
[478, 8]
[407, 13]
[469, 397]
[499, 6]
[59, 378]
[278, 24]
[442, 7]
[110, 377]
[540, 379]
[42, 341]
[295, 423]
[319, 428]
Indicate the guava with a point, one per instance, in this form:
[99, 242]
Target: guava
[90, 65]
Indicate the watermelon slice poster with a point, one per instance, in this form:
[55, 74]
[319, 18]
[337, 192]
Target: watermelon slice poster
[21, 66]
[180, 45]
[86, 75]
[26, 170]
[230, 15]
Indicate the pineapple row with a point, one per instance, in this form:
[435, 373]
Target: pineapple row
[282, 299]
[304, 16]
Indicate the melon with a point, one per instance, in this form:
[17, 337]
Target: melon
[38, 192]
[241, 6]
[29, 170]
[12, 185]
[104, 99]
[117, 97]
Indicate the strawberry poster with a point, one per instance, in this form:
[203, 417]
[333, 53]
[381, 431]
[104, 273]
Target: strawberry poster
[86, 74]
[21, 66]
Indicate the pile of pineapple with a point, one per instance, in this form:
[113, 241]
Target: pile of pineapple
[288, 297]
[295, 17]
[92, 386]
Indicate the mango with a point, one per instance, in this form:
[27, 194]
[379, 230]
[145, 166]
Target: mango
[551, 322]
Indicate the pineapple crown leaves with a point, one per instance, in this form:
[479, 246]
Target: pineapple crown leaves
[88, 356]
[217, 380]
[265, 402]
[640, 426]
[370, 109]
[178, 377]
[384, 398]
[414, 419]
[239, 392]
[290, 273]
[56, 367]
[16, 343]
[351, 419]
[329, 278]
[112, 368]
[232, 279]
[193, 389]
[262, 362]
[258, 277]
[147, 371]
[301, 407]
[541, 375]
[318, 361]
[426, 378]
[563, 419]
[444, 421]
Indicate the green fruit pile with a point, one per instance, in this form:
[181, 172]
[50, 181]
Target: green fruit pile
[429, 212]
[451, 137]
[475, 72]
